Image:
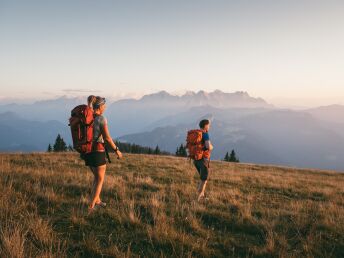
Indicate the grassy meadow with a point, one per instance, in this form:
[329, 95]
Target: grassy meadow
[252, 210]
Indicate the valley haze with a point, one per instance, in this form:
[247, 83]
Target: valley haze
[258, 131]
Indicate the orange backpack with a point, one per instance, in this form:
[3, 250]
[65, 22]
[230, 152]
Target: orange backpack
[81, 125]
[194, 144]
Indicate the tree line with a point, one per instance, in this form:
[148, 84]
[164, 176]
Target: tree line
[126, 147]
[182, 152]
[61, 146]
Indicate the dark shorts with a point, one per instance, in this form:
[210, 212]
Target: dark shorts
[95, 159]
[202, 167]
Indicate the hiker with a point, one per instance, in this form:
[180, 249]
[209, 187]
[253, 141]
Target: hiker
[200, 147]
[96, 158]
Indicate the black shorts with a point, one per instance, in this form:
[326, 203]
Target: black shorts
[95, 159]
[202, 167]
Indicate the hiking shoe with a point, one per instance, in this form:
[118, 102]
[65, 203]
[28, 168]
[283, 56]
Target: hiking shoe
[92, 210]
[203, 198]
[101, 204]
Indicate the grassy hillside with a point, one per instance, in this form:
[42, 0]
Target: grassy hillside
[252, 211]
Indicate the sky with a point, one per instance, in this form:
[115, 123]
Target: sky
[290, 53]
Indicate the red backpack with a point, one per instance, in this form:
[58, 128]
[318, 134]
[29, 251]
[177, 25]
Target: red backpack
[81, 125]
[194, 144]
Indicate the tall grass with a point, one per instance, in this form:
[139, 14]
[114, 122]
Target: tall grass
[252, 211]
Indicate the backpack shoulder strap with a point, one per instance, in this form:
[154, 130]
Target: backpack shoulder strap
[98, 137]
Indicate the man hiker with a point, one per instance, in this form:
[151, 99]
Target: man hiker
[200, 147]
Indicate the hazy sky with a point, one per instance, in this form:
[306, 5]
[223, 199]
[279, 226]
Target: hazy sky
[290, 52]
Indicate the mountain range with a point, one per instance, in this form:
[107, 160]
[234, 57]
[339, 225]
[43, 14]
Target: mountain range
[134, 115]
[260, 136]
[258, 131]
[20, 134]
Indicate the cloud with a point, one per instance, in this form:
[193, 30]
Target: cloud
[126, 95]
[80, 90]
[49, 93]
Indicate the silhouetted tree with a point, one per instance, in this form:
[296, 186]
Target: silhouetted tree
[70, 148]
[135, 148]
[232, 157]
[226, 157]
[157, 150]
[150, 151]
[181, 151]
[50, 149]
[60, 144]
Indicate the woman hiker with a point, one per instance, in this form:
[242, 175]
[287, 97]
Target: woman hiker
[96, 159]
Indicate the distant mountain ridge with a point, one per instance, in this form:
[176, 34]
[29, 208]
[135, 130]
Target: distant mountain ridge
[132, 116]
[53, 109]
[19, 134]
[124, 116]
[285, 137]
[331, 113]
[258, 131]
[216, 98]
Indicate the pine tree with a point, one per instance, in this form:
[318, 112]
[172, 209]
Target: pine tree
[183, 152]
[126, 147]
[157, 150]
[232, 157]
[50, 149]
[226, 157]
[70, 148]
[60, 144]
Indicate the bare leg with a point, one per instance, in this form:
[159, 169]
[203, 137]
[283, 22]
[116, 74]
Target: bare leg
[203, 169]
[201, 189]
[100, 172]
[94, 184]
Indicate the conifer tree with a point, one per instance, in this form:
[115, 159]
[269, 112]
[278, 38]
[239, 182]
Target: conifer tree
[226, 157]
[232, 157]
[60, 144]
[157, 150]
[70, 148]
[181, 151]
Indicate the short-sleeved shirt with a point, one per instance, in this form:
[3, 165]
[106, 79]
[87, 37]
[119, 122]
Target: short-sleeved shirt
[205, 137]
[98, 124]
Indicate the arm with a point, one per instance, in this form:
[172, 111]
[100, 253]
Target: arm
[107, 137]
[208, 145]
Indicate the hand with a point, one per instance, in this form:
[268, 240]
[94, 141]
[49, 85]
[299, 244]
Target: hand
[119, 154]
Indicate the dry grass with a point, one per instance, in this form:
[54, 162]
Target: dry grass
[252, 211]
